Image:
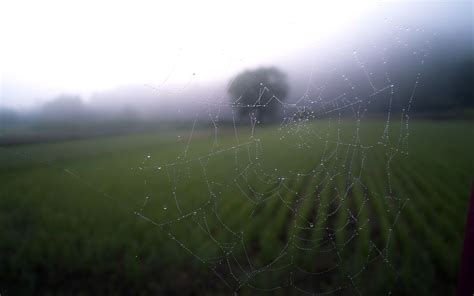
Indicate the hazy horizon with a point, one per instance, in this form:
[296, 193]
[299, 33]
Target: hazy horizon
[69, 53]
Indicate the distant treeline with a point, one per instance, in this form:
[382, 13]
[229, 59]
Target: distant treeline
[440, 79]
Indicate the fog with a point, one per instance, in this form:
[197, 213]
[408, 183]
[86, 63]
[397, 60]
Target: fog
[319, 147]
[145, 61]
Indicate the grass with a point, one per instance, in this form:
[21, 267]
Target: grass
[98, 216]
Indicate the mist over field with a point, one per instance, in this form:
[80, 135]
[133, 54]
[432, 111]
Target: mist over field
[397, 39]
[236, 148]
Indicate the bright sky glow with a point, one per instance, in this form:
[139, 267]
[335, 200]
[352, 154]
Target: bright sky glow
[85, 46]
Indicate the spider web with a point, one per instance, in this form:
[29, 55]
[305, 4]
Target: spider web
[306, 206]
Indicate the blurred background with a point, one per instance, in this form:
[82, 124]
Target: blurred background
[253, 148]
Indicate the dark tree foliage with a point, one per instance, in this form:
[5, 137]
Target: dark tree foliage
[464, 83]
[259, 93]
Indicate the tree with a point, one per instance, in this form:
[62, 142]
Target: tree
[259, 93]
[64, 107]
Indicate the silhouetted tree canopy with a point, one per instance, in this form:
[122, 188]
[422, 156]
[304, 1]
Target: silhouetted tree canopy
[64, 107]
[259, 93]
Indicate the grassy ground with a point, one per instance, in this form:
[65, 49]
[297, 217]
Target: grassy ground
[311, 208]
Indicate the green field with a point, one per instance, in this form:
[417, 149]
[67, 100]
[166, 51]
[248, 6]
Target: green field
[323, 207]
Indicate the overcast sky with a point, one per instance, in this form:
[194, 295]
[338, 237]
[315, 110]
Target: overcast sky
[49, 47]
